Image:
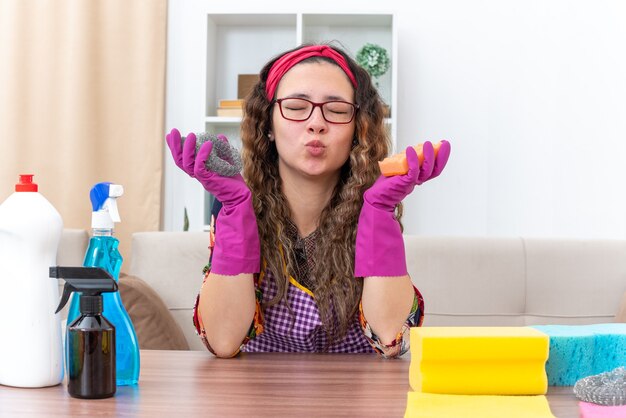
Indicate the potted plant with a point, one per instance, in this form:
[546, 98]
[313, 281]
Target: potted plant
[375, 60]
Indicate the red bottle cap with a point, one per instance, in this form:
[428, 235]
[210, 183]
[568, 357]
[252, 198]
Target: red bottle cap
[26, 184]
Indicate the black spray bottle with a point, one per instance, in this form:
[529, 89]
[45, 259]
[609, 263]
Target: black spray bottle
[90, 339]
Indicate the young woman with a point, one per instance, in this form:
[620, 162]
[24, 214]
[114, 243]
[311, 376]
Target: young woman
[308, 253]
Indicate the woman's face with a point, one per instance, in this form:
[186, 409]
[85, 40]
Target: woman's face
[314, 147]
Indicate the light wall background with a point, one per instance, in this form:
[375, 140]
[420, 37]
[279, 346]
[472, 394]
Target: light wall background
[532, 96]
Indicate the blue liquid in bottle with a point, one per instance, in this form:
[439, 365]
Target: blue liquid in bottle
[103, 252]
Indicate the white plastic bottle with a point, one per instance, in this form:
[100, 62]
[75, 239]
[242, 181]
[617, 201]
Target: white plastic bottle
[31, 353]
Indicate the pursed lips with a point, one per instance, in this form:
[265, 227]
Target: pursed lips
[315, 144]
[315, 148]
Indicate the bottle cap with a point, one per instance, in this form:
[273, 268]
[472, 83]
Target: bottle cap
[26, 184]
[91, 304]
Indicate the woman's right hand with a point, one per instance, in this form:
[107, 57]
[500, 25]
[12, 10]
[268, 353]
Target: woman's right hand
[228, 190]
[237, 249]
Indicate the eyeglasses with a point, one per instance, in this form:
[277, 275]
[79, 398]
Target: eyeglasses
[299, 110]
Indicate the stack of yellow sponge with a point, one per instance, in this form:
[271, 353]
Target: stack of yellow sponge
[449, 363]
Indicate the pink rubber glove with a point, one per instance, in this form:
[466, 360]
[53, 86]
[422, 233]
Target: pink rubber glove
[237, 248]
[379, 243]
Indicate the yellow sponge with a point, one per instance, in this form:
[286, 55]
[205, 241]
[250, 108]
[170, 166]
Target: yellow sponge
[428, 405]
[479, 360]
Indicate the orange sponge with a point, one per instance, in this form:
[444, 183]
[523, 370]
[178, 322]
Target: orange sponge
[397, 164]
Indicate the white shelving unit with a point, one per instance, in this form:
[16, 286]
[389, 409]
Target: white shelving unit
[241, 43]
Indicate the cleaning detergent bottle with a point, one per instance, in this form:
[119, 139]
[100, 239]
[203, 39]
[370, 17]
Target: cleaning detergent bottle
[91, 337]
[31, 348]
[103, 253]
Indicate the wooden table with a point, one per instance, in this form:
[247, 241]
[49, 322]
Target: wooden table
[195, 384]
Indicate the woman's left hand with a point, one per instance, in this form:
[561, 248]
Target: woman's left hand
[379, 243]
[387, 192]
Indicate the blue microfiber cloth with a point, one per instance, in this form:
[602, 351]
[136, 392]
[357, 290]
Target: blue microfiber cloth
[578, 351]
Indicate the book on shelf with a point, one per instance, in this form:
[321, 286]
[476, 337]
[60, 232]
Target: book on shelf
[230, 112]
[236, 103]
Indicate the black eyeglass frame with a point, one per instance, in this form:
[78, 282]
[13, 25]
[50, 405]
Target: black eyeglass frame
[316, 104]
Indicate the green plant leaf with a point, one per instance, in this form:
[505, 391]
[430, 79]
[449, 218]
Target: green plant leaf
[374, 59]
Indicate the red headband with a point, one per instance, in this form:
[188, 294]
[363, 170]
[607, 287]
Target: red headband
[284, 64]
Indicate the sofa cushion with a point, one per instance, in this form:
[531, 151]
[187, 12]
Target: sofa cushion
[155, 326]
[574, 281]
[468, 281]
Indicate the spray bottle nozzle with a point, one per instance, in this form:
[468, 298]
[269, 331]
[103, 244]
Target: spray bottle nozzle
[90, 281]
[104, 204]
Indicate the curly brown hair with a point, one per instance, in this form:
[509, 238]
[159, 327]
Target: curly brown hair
[337, 292]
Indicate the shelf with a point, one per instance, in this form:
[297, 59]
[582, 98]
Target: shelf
[242, 44]
[222, 120]
[348, 20]
[253, 19]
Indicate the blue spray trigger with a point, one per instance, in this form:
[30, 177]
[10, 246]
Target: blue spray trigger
[98, 195]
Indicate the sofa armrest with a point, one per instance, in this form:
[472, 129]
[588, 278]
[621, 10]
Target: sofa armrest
[71, 252]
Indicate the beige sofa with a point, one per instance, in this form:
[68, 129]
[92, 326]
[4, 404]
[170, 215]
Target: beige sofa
[464, 281]
[72, 247]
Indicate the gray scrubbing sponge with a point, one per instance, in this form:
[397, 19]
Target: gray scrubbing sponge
[608, 388]
[224, 158]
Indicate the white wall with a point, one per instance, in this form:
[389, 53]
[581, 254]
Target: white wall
[531, 94]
